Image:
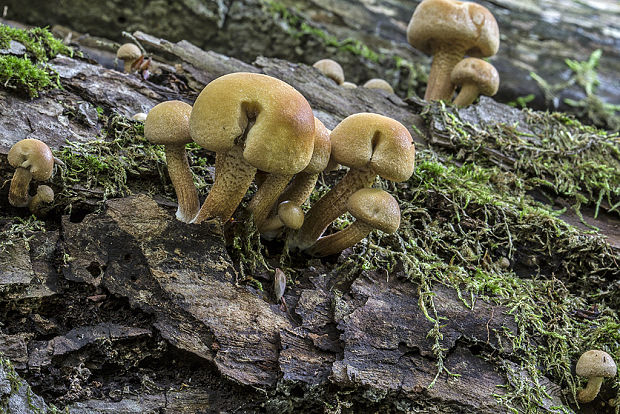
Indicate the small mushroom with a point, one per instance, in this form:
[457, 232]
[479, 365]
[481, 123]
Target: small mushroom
[32, 159]
[299, 190]
[167, 124]
[449, 30]
[252, 121]
[377, 83]
[348, 85]
[129, 54]
[595, 365]
[43, 197]
[370, 145]
[331, 69]
[373, 209]
[475, 77]
[139, 116]
[279, 286]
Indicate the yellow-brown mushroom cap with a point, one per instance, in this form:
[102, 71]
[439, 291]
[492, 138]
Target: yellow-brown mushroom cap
[281, 139]
[453, 21]
[376, 208]
[374, 141]
[128, 51]
[331, 69]
[168, 124]
[596, 363]
[377, 83]
[476, 71]
[322, 149]
[34, 155]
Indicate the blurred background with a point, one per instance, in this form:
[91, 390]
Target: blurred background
[554, 54]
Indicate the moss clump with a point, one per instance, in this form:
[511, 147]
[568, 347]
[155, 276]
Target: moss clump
[19, 231]
[552, 152]
[29, 74]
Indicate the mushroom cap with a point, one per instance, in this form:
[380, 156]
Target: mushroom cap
[45, 193]
[374, 141]
[376, 208]
[33, 155]
[377, 83]
[596, 363]
[322, 149]
[281, 138]
[128, 51]
[168, 124]
[469, 24]
[477, 71]
[331, 69]
[291, 215]
[348, 85]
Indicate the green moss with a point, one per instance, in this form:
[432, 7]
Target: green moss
[19, 231]
[30, 74]
[560, 155]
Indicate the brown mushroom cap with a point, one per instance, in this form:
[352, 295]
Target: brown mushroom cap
[291, 214]
[377, 83]
[321, 150]
[454, 21]
[33, 155]
[595, 363]
[331, 69]
[282, 136]
[168, 124]
[374, 141]
[476, 71]
[376, 208]
[128, 51]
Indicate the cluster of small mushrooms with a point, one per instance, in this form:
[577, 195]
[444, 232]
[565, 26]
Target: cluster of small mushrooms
[32, 160]
[334, 71]
[259, 124]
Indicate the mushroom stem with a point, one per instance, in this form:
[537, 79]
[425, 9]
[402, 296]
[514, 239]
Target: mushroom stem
[18, 192]
[183, 182]
[331, 206]
[127, 64]
[591, 390]
[266, 196]
[231, 184]
[445, 57]
[467, 95]
[337, 242]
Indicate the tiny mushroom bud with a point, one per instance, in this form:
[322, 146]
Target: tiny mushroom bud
[379, 84]
[331, 69]
[348, 85]
[32, 159]
[167, 124]
[252, 121]
[44, 195]
[128, 53]
[373, 209]
[140, 116]
[475, 77]
[279, 284]
[449, 30]
[595, 365]
[370, 145]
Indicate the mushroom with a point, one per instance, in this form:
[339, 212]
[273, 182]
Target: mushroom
[139, 116]
[595, 365]
[475, 77]
[370, 145]
[373, 209]
[252, 121]
[167, 124]
[298, 191]
[377, 83]
[44, 195]
[348, 85]
[331, 69]
[32, 159]
[128, 53]
[449, 30]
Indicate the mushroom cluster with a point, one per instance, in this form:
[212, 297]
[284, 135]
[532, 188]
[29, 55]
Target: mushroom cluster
[263, 130]
[32, 160]
[449, 30]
